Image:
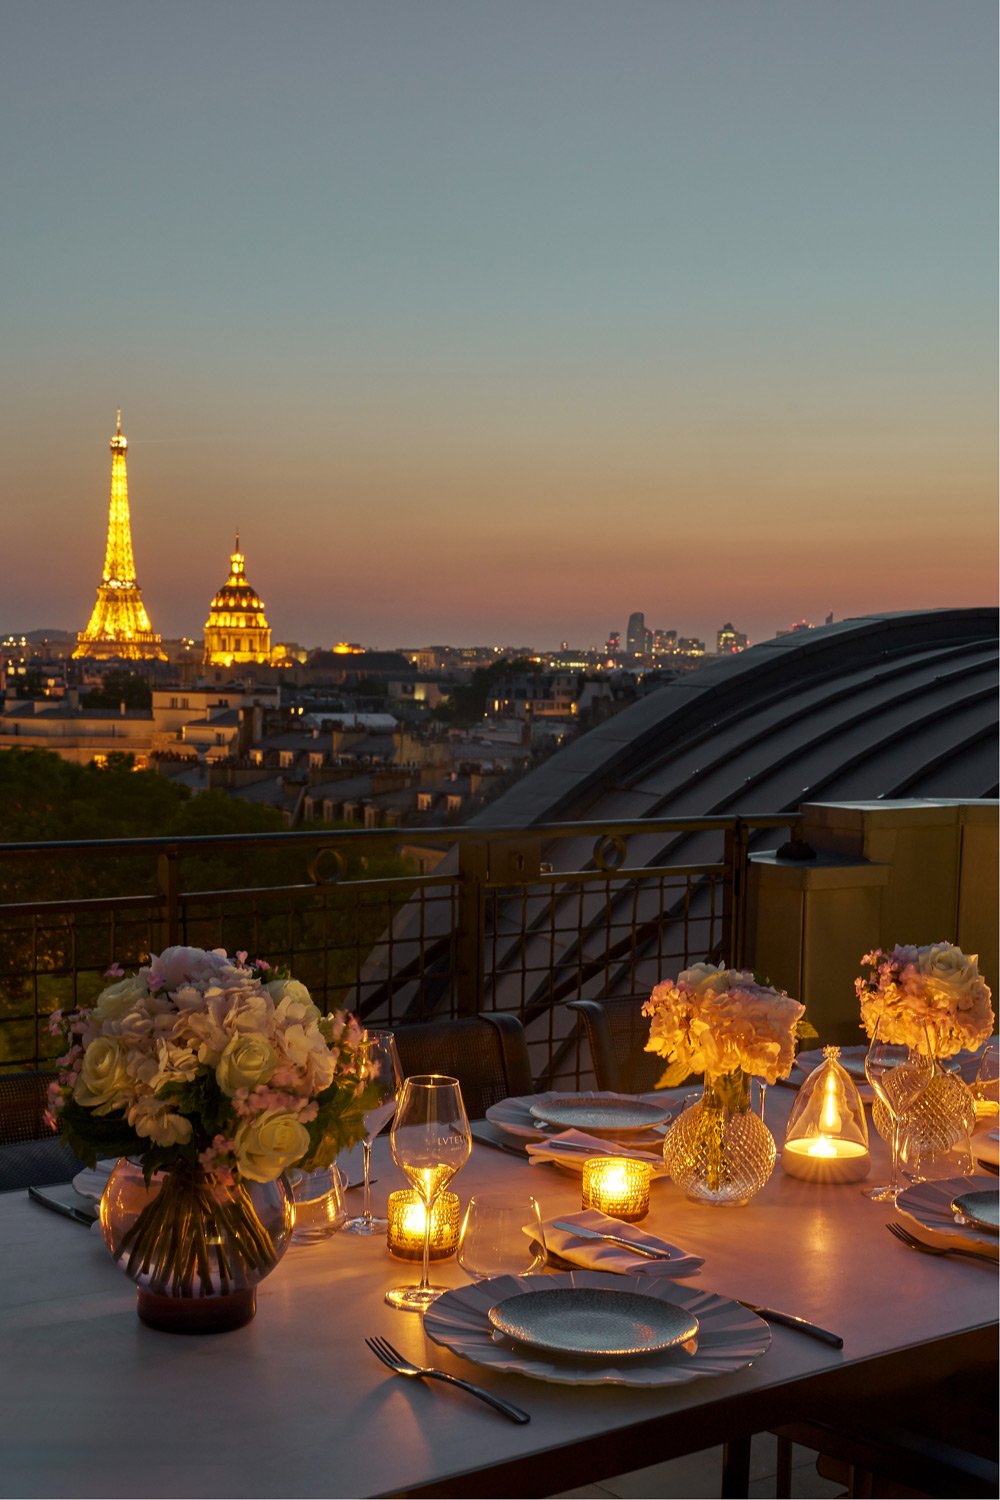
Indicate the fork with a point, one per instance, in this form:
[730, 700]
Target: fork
[395, 1361]
[915, 1244]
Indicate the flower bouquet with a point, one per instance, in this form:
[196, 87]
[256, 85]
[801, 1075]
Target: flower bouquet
[933, 1000]
[214, 1076]
[728, 1025]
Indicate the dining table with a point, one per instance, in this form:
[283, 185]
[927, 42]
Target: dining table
[95, 1403]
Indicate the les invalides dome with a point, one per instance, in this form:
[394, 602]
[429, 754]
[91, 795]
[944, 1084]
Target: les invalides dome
[236, 629]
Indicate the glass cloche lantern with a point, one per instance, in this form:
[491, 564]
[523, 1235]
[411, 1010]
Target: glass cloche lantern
[827, 1136]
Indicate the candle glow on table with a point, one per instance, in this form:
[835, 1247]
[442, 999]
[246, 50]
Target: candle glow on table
[827, 1138]
[408, 1218]
[618, 1186]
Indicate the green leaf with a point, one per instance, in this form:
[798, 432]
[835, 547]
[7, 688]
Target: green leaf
[675, 1074]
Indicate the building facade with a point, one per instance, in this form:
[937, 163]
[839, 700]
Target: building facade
[236, 629]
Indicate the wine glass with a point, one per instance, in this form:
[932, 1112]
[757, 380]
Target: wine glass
[431, 1142]
[898, 1074]
[987, 1078]
[493, 1240]
[381, 1063]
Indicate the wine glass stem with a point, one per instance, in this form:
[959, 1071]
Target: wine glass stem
[893, 1180]
[366, 1147]
[424, 1275]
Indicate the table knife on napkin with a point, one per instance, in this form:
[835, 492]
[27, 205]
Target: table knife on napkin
[615, 1239]
[50, 1198]
[789, 1320]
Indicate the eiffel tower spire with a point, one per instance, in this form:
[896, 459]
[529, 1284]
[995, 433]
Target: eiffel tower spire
[119, 625]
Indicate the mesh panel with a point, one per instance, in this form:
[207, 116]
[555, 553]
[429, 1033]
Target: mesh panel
[469, 1050]
[22, 1107]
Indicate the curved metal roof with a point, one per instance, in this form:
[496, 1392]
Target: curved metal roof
[901, 705]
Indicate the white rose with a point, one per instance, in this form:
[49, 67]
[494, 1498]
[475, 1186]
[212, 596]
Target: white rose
[705, 978]
[103, 1083]
[247, 1060]
[948, 967]
[294, 998]
[119, 998]
[265, 1146]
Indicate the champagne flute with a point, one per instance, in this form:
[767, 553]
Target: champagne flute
[431, 1142]
[898, 1074]
[381, 1062]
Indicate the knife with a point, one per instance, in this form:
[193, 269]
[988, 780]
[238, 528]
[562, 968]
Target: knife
[789, 1320]
[80, 1215]
[615, 1239]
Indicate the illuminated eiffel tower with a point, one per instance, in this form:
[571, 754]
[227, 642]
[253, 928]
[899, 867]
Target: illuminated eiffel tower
[119, 625]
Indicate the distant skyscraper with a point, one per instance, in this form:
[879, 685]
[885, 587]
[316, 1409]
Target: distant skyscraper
[729, 640]
[236, 629]
[635, 635]
[119, 625]
[664, 641]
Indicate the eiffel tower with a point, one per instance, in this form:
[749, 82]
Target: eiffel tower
[119, 625]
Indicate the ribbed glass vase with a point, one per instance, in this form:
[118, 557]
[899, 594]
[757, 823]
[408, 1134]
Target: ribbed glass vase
[194, 1248]
[939, 1121]
[719, 1151]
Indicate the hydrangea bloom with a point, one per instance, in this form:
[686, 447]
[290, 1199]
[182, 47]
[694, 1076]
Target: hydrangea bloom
[712, 1020]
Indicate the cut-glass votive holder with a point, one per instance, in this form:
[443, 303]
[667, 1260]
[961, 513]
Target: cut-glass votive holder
[618, 1186]
[407, 1220]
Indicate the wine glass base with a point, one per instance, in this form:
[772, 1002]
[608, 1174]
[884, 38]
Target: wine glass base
[413, 1298]
[366, 1226]
[882, 1194]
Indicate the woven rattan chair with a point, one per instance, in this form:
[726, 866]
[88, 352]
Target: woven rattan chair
[31, 1153]
[617, 1032]
[487, 1054]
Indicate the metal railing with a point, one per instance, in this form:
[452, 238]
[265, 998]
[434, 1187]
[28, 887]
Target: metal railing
[397, 925]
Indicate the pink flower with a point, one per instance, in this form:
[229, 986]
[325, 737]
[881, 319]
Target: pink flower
[241, 958]
[115, 972]
[262, 964]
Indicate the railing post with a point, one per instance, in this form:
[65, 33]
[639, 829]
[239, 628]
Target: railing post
[168, 880]
[470, 939]
[735, 856]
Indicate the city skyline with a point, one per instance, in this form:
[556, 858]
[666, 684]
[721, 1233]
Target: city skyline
[504, 324]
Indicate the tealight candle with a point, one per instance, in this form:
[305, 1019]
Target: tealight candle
[825, 1159]
[407, 1221]
[618, 1186]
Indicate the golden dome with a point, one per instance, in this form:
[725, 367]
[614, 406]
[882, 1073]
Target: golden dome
[236, 628]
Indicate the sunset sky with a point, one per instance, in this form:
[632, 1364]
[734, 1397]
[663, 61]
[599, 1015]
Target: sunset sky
[496, 322]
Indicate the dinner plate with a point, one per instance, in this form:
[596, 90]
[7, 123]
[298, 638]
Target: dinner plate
[593, 1321]
[980, 1209]
[91, 1182]
[852, 1060]
[514, 1114]
[599, 1116]
[929, 1204]
[729, 1337]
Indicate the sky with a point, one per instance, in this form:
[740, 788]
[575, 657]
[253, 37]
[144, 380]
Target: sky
[493, 323]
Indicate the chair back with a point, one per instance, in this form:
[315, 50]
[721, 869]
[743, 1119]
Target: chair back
[23, 1099]
[488, 1055]
[617, 1032]
[30, 1152]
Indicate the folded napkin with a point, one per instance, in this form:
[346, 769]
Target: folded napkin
[570, 1148]
[602, 1255]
